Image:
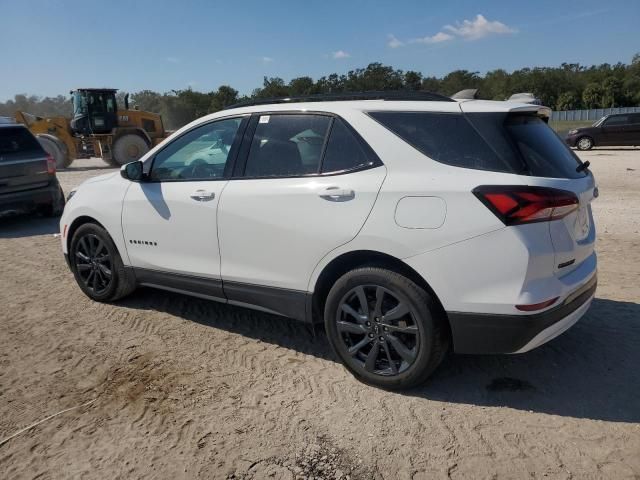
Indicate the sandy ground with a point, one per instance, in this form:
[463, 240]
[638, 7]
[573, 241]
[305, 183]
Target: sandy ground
[186, 388]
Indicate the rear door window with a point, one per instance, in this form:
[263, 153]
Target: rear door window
[616, 120]
[345, 151]
[287, 145]
[18, 141]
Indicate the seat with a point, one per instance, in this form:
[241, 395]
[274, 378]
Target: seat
[275, 158]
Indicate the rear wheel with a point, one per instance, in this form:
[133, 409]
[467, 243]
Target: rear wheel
[385, 328]
[129, 148]
[97, 266]
[56, 149]
[584, 143]
[56, 207]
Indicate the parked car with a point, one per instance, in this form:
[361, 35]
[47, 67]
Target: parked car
[622, 129]
[27, 174]
[406, 227]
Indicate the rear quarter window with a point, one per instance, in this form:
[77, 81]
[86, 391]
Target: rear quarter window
[16, 141]
[522, 144]
[447, 138]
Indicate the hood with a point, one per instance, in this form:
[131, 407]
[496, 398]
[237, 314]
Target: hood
[100, 178]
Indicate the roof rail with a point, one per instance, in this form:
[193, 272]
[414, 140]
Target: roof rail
[410, 95]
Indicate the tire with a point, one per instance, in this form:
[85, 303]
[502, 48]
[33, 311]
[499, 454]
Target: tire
[57, 149]
[584, 143]
[56, 207]
[408, 347]
[129, 148]
[93, 254]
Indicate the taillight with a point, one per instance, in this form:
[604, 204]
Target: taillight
[537, 306]
[51, 165]
[517, 204]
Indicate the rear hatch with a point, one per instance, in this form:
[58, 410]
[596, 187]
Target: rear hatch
[23, 162]
[543, 159]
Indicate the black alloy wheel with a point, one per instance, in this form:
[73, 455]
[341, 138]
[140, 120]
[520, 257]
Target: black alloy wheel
[93, 263]
[386, 329]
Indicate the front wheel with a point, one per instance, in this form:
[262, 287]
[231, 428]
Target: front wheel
[585, 143]
[385, 328]
[97, 266]
[129, 148]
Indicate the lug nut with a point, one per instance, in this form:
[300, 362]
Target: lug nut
[382, 339]
[377, 319]
[368, 324]
[371, 335]
[385, 329]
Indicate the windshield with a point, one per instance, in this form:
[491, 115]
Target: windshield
[599, 122]
[17, 140]
[79, 104]
[544, 153]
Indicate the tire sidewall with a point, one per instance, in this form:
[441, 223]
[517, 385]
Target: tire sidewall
[405, 290]
[92, 228]
[119, 149]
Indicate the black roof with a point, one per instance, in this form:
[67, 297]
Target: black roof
[404, 95]
[8, 121]
[95, 89]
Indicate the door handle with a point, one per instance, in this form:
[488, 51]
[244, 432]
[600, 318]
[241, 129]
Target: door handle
[337, 194]
[203, 195]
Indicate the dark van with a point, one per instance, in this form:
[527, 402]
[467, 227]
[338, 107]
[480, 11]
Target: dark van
[622, 129]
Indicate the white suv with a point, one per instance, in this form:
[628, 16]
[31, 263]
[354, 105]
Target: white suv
[406, 226]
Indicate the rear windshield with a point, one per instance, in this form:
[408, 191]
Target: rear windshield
[18, 141]
[498, 142]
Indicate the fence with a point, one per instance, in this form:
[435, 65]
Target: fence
[593, 114]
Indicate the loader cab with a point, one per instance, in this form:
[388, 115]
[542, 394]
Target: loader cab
[94, 111]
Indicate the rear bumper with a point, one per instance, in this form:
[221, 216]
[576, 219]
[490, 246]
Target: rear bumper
[27, 200]
[492, 334]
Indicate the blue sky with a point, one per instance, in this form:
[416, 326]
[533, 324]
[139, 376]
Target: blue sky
[50, 46]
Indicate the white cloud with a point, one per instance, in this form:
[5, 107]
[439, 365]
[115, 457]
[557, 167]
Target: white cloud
[267, 59]
[172, 59]
[393, 41]
[474, 29]
[437, 38]
[340, 54]
[478, 28]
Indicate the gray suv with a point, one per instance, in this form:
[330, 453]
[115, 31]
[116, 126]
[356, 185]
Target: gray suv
[28, 180]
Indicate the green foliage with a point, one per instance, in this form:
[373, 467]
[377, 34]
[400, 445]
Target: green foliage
[567, 87]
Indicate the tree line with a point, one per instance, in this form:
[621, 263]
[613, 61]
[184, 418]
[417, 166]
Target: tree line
[567, 87]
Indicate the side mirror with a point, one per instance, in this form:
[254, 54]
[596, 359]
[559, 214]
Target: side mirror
[132, 171]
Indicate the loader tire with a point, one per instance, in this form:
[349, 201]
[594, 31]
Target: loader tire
[129, 148]
[56, 149]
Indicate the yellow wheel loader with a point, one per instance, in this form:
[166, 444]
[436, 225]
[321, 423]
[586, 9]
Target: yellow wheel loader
[97, 129]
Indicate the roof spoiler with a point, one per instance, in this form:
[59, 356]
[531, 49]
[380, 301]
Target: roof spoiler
[541, 111]
[466, 94]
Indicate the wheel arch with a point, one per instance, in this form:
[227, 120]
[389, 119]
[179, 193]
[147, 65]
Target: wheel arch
[365, 258]
[77, 223]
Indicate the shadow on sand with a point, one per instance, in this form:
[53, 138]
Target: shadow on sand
[27, 225]
[592, 371]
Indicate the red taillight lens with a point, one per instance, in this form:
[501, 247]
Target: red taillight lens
[537, 306]
[51, 165]
[517, 204]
